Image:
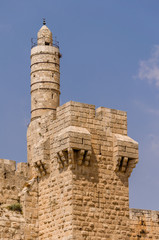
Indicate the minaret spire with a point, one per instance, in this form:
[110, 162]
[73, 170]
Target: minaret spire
[44, 21]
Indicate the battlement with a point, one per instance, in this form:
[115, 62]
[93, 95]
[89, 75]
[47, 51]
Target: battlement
[10, 166]
[12, 178]
[7, 165]
[114, 120]
[145, 215]
[77, 109]
[144, 223]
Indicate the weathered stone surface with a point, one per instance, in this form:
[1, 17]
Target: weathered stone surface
[12, 225]
[144, 224]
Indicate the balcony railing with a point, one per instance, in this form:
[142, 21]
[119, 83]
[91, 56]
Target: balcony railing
[34, 43]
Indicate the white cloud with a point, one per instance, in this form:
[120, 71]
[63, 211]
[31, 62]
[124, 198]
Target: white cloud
[149, 69]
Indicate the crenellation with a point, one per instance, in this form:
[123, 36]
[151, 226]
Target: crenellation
[144, 223]
[116, 120]
[12, 180]
[7, 165]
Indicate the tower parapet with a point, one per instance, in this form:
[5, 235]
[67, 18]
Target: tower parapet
[45, 74]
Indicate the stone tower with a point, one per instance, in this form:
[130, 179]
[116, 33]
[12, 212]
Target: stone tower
[45, 74]
[82, 159]
[75, 184]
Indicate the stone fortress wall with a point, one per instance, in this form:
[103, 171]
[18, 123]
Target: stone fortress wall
[12, 181]
[144, 224]
[75, 183]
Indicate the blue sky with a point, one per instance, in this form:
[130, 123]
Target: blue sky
[110, 58]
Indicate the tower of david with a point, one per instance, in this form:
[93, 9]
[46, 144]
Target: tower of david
[75, 183]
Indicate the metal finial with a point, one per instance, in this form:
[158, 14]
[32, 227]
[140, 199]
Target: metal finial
[44, 21]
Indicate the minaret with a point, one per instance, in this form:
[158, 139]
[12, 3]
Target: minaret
[45, 74]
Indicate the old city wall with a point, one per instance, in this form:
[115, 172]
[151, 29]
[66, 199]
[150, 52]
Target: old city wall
[144, 224]
[12, 180]
[12, 225]
[18, 201]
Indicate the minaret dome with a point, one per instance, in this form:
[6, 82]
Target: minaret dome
[44, 36]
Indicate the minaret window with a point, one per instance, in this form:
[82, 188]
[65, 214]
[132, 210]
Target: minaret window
[47, 43]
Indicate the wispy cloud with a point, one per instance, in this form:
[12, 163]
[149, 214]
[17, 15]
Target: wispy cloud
[149, 69]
